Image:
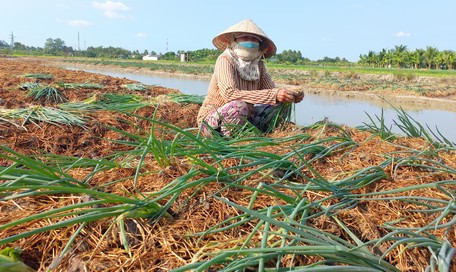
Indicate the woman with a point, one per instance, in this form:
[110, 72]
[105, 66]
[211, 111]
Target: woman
[241, 90]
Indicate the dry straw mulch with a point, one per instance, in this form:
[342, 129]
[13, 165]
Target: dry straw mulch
[170, 242]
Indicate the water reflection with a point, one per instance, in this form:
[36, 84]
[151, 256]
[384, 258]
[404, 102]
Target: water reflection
[354, 112]
[314, 108]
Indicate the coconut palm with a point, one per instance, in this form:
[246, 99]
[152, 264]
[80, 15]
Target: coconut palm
[399, 55]
[362, 59]
[438, 60]
[372, 59]
[388, 59]
[448, 58]
[416, 58]
[381, 56]
[453, 64]
[429, 56]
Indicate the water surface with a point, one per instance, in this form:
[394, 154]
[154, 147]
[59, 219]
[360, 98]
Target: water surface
[342, 110]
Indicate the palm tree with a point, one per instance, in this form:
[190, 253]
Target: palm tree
[448, 58]
[453, 64]
[381, 56]
[429, 56]
[399, 55]
[416, 58]
[372, 59]
[438, 60]
[362, 59]
[388, 59]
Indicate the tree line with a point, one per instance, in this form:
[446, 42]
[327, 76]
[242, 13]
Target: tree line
[398, 57]
[401, 57]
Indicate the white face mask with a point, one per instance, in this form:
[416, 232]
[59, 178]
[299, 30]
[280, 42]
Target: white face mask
[247, 69]
[245, 53]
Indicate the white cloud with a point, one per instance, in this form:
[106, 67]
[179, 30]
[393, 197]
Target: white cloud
[79, 23]
[112, 10]
[141, 35]
[402, 34]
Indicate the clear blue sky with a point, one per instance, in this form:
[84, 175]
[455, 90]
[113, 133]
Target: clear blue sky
[333, 28]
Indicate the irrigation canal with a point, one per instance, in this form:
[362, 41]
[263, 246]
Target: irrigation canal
[342, 110]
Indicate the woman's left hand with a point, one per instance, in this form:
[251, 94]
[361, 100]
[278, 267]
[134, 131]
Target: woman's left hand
[298, 96]
[285, 96]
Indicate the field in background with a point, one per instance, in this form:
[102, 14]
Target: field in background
[415, 82]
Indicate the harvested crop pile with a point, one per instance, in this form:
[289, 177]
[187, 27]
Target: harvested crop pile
[117, 179]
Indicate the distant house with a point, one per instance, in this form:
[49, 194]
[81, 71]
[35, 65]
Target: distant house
[151, 57]
[184, 57]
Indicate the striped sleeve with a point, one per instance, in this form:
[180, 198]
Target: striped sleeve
[265, 79]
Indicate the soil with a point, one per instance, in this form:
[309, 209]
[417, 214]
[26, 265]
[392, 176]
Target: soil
[77, 141]
[166, 244]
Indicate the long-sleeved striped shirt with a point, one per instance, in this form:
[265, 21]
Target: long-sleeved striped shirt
[226, 85]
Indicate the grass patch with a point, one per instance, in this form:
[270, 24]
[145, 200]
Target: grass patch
[81, 85]
[44, 114]
[135, 87]
[29, 86]
[39, 76]
[49, 93]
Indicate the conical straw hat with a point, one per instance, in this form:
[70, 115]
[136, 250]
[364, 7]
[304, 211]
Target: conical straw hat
[224, 39]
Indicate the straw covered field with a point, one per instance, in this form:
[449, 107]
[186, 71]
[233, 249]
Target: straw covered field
[106, 174]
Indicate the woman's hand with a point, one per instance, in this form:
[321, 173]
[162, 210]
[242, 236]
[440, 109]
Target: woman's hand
[288, 96]
[285, 96]
[298, 96]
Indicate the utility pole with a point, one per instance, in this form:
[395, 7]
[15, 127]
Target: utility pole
[166, 45]
[12, 39]
[79, 48]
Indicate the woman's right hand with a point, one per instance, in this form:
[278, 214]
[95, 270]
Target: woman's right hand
[285, 96]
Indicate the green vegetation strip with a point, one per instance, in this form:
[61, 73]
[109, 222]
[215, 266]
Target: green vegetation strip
[38, 114]
[39, 76]
[71, 113]
[135, 87]
[206, 68]
[81, 86]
